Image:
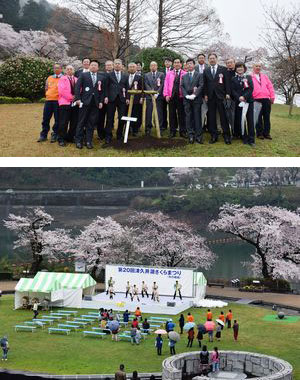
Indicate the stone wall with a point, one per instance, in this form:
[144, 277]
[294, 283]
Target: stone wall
[262, 366]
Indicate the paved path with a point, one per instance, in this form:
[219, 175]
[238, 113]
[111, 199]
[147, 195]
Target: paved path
[275, 298]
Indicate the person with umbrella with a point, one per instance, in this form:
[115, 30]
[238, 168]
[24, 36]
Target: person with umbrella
[191, 335]
[181, 323]
[210, 326]
[159, 343]
[174, 337]
[114, 328]
[172, 346]
[218, 332]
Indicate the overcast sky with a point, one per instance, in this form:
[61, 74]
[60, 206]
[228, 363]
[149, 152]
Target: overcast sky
[245, 27]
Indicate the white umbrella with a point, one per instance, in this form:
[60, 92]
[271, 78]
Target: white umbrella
[173, 335]
[257, 110]
[220, 322]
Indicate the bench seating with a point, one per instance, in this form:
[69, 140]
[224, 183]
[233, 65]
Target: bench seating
[68, 311]
[93, 317]
[35, 323]
[50, 321]
[93, 313]
[51, 317]
[125, 336]
[161, 318]
[77, 323]
[86, 320]
[67, 326]
[101, 329]
[25, 328]
[94, 333]
[58, 330]
[62, 315]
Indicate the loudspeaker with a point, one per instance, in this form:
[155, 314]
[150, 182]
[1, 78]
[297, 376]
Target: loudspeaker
[171, 304]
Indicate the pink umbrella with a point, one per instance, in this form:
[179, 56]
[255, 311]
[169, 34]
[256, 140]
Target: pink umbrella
[209, 325]
[160, 331]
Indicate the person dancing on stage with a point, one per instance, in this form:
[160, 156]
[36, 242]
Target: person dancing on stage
[155, 295]
[135, 293]
[144, 289]
[111, 291]
[128, 290]
[110, 283]
[177, 288]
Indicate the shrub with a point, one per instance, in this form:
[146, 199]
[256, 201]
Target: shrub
[8, 100]
[25, 77]
[155, 54]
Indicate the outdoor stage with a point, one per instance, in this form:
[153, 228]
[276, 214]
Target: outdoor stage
[119, 302]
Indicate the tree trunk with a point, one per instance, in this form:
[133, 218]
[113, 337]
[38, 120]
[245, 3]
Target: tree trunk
[264, 269]
[291, 105]
[117, 30]
[36, 264]
[160, 24]
[127, 33]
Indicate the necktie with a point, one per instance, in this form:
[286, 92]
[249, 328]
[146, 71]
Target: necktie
[153, 76]
[177, 73]
[214, 71]
[130, 80]
[94, 79]
[191, 77]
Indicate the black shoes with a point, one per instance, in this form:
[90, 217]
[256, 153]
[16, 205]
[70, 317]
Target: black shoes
[42, 138]
[213, 140]
[79, 146]
[268, 137]
[89, 145]
[53, 138]
[183, 135]
[228, 141]
[191, 140]
[62, 143]
[199, 140]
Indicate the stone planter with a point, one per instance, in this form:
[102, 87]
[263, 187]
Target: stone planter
[262, 367]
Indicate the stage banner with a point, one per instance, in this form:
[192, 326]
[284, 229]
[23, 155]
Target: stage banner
[164, 277]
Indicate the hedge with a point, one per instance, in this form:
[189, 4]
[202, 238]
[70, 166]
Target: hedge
[25, 77]
[9, 100]
[155, 54]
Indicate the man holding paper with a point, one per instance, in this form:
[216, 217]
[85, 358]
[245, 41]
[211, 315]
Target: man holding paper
[192, 86]
[242, 90]
[89, 96]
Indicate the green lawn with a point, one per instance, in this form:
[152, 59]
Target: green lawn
[20, 127]
[74, 354]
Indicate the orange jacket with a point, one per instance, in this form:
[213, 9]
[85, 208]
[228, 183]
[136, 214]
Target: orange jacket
[209, 315]
[190, 318]
[229, 316]
[222, 317]
[52, 87]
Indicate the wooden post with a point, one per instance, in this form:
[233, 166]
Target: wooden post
[156, 120]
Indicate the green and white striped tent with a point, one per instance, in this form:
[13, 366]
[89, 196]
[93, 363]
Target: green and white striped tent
[63, 289]
[200, 283]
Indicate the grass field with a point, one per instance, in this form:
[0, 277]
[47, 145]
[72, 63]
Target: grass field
[20, 127]
[75, 354]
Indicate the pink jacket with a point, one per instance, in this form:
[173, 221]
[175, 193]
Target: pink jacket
[169, 81]
[65, 96]
[263, 90]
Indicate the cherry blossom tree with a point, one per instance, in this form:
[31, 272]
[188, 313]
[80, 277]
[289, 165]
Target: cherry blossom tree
[32, 233]
[245, 176]
[164, 241]
[51, 44]
[104, 241]
[273, 231]
[184, 176]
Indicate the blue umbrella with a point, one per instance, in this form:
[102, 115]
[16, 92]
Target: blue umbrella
[189, 325]
[202, 329]
[113, 325]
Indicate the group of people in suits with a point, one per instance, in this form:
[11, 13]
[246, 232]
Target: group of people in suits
[189, 98]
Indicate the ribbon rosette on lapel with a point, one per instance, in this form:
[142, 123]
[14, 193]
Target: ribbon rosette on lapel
[221, 78]
[135, 84]
[124, 92]
[158, 82]
[99, 85]
[246, 84]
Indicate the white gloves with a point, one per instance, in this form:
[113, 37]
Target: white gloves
[190, 97]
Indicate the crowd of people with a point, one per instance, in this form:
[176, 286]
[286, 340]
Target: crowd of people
[190, 98]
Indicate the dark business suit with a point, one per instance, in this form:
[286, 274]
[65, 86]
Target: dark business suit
[78, 73]
[102, 120]
[155, 83]
[117, 95]
[243, 87]
[197, 68]
[216, 92]
[91, 96]
[137, 109]
[192, 108]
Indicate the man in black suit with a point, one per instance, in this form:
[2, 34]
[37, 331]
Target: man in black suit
[201, 66]
[109, 66]
[192, 87]
[85, 67]
[154, 81]
[230, 64]
[135, 83]
[168, 67]
[117, 99]
[89, 95]
[216, 91]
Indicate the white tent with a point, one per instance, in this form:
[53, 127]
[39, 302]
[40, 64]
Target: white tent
[62, 289]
